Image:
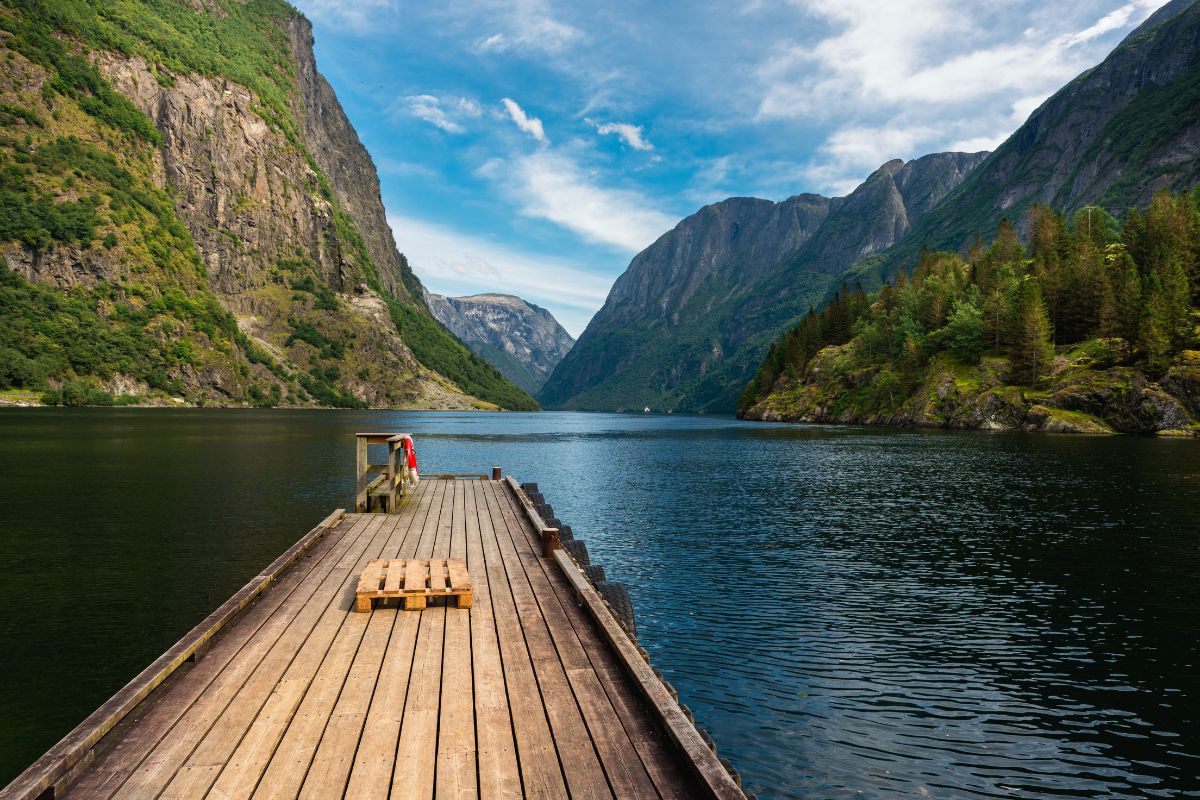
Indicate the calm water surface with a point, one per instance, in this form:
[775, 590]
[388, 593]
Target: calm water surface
[901, 613]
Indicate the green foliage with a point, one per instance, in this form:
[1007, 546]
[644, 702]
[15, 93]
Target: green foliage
[1139, 281]
[326, 299]
[964, 334]
[32, 34]
[11, 114]
[834, 324]
[82, 393]
[303, 331]
[243, 42]
[321, 384]
[436, 348]
[54, 335]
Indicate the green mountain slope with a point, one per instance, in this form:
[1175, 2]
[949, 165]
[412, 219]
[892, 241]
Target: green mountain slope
[188, 213]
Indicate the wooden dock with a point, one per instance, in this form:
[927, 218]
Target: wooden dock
[286, 691]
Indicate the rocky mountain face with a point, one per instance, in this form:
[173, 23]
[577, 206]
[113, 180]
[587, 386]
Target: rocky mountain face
[1112, 137]
[522, 340]
[208, 159]
[690, 319]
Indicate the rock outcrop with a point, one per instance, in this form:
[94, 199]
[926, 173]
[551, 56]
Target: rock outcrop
[1082, 395]
[522, 340]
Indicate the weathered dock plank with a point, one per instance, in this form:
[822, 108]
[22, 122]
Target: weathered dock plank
[534, 691]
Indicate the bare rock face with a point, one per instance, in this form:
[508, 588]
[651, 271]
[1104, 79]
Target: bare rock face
[249, 199]
[524, 341]
[336, 148]
[689, 321]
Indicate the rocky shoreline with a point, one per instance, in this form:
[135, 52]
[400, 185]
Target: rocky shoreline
[1086, 393]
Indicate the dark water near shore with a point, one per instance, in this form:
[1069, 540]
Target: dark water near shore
[900, 613]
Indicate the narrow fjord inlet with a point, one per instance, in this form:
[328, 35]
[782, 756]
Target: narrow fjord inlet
[556, 399]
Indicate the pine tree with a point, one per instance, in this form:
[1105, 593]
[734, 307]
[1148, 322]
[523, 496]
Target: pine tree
[1030, 351]
[1126, 291]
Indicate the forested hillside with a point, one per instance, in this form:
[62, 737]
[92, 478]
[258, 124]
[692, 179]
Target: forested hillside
[186, 213]
[1094, 326]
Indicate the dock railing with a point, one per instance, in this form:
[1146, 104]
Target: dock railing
[386, 489]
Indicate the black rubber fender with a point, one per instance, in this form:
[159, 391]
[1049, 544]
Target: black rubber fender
[617, 597]
[529, 488]
[565, 534]
[733, 773]
[577, 549]
[594, 573]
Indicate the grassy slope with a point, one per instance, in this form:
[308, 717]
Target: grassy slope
[77, 168]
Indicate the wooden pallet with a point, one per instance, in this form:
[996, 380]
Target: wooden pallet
[415, 580]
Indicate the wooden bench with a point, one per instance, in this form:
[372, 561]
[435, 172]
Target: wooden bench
[415, 580]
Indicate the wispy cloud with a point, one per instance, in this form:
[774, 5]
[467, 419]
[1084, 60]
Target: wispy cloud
[531, 125]
[447, 114]
[452, 262]
[527, 25]
[554, 187]
[359, 16]
[632, 135]
[896, 79]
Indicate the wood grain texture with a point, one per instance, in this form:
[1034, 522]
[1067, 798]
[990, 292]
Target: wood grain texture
[525, 692]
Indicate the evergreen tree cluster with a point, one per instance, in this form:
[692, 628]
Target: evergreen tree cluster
[1075, 280]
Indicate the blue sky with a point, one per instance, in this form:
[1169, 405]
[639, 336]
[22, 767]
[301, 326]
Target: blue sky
[534, 147]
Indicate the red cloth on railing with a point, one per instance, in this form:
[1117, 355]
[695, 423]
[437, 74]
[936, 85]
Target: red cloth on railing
[411, 452]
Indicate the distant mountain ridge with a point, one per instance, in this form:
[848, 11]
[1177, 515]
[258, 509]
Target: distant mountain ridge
[523, 341]
[690, 319]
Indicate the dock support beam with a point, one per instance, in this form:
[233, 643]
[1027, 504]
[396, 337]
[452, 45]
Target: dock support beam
[495, 473]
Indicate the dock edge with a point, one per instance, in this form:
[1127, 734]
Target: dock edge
[706, 767]
[63, 761]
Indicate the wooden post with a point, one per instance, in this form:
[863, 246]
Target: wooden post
[360, 497]
[550, 542]
[495, 473]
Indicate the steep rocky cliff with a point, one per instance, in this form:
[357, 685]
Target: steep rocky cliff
[523, 341]
[690, 319]
[230, 237]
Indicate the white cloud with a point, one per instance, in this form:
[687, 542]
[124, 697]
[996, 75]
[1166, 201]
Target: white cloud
[447, 114]
[631, 135]
[527, 26]
[553, 187]
[454, 263]
[977, 144]
[359, 16]
[531, 125]
[1115, 20]
[902, 79]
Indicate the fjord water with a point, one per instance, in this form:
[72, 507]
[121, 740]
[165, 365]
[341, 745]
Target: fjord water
[851, 612]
